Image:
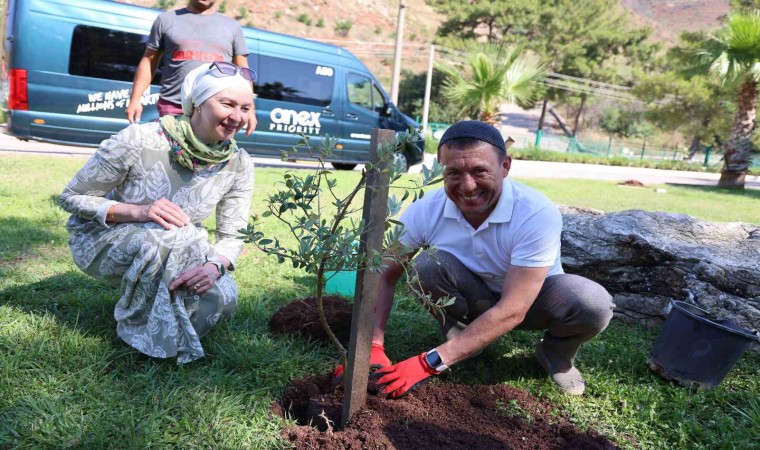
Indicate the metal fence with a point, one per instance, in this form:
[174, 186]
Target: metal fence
[612, 147]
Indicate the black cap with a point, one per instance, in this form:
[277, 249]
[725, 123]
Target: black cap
[474, 129]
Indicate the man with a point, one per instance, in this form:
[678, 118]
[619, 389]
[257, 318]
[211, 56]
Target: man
[493, 245]
[183, 40]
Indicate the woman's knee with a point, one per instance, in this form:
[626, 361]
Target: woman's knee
[217, 303]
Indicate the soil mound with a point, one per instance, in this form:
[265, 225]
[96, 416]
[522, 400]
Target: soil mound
[436, 416]
[301, 316]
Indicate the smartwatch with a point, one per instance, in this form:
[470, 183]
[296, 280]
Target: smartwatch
[433, 358]
[219, 265]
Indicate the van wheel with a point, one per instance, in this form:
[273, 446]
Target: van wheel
[398, 156]
[343, 166]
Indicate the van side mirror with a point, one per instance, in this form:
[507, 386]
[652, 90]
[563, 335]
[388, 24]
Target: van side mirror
[387, 110]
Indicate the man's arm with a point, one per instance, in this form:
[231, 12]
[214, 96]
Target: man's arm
[242, 61]
[385, 292]
[521, 287]
[144, 73]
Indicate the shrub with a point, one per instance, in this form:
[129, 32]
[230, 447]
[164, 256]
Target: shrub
[304, 19]
[343, 27]
[321, 23]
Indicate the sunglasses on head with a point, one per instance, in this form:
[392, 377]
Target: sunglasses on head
[230, 70]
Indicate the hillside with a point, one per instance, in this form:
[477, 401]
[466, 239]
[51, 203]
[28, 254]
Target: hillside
[669, 18]
[373, 23]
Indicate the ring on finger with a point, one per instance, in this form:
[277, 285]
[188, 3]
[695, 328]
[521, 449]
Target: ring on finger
[196, 286]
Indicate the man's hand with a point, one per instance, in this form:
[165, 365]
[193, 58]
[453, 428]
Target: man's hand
[404, 377]
[377, 360]
[134, 111]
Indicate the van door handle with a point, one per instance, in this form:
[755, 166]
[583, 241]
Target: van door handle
[328, 112]
[352, 116]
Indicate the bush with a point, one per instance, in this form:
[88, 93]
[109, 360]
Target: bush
[304, 19]
[412, 95]
[431, 145]
[343, 27]
[534, 154]
[321, 23]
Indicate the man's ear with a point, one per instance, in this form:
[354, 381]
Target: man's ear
[506, 165]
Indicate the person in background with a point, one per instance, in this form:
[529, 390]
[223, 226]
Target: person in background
[137, 205]
[182, 40]
[493, 245]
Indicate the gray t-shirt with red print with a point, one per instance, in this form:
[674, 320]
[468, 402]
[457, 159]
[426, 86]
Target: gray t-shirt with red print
[188, 40]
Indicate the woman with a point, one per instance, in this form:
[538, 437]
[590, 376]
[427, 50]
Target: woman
[137, 205]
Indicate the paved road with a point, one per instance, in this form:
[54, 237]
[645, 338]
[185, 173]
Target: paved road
[520, 169]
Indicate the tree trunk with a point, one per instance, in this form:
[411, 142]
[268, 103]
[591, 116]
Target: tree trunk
[738, 147]
[693, 148]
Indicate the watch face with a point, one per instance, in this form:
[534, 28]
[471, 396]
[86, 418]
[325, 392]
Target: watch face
[433, 359]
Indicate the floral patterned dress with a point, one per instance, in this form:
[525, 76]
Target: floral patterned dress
[135, 167]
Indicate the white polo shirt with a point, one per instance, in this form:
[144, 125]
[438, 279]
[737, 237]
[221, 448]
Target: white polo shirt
[523, 230]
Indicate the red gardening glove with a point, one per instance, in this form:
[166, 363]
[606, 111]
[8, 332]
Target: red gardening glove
[377, 360]
[404, 377]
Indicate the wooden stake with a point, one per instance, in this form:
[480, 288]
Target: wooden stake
[367, 282]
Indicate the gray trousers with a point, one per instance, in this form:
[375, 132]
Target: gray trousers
[571, 309]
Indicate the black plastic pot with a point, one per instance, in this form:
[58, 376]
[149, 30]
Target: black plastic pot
[696, 350]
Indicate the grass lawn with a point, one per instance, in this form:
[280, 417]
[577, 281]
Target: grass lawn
[66, 380]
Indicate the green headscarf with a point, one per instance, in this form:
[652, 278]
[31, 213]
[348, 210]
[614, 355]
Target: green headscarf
[191, 153]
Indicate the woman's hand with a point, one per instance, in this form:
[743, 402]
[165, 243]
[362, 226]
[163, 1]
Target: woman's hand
[164, 213]
[197, 280]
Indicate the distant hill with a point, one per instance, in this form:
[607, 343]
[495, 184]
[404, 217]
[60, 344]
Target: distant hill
[669, 18]
[372, 30]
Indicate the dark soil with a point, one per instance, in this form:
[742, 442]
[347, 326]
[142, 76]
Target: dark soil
[300, 316]
[436, 416]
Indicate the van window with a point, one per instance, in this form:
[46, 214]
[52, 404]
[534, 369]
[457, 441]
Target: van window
[362, 92]
[294, 81]
[110, 54]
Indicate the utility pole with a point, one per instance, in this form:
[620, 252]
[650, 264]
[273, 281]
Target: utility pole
[428, 86]
[397, 52]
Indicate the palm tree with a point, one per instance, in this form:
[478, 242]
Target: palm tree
[492, 75]
[734, 54]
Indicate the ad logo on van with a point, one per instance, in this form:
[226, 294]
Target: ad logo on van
[108, 100]
[291, 121]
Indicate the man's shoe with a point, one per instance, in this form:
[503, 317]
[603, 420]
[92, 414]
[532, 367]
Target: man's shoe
[569, 382]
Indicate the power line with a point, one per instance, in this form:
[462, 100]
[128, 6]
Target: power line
[457, 57]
